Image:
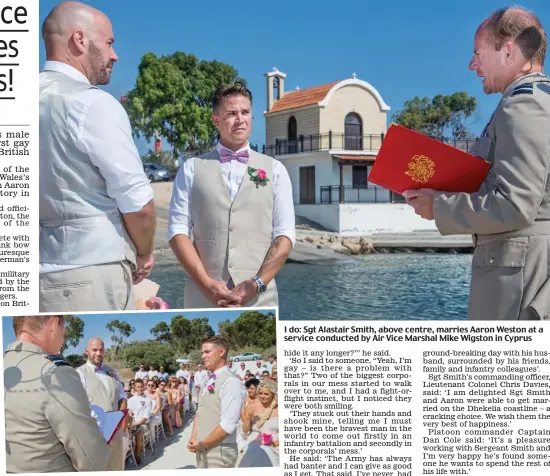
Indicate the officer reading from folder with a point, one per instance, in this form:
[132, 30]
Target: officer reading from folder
[510, 215]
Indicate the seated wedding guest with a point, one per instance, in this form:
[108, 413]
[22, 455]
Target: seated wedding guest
[145, 381]
[265, 374]
[274, 375]
[48, 422]
[128, 391]
[140, 408]
[131, 384]
[263, 451]
[97, 215]
[176, 399]
[157, 404]
[167, 407]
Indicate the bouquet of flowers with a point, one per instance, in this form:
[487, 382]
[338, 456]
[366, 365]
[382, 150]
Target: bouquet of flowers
[151, 303]
[266, 438]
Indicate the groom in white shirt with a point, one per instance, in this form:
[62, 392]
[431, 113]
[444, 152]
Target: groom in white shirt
[238, 205]
[213, 437]
[97, 217]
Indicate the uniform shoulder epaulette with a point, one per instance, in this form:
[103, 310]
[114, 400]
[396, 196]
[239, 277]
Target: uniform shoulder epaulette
[525, 88]
[58, 361]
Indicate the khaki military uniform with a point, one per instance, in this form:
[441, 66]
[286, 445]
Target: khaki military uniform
[48, 422]
[510, 215]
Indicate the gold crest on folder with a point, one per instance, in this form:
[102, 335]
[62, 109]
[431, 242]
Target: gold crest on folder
[421, 169]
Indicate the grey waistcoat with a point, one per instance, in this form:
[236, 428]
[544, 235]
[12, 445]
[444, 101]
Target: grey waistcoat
[232, 239]
[104, 397]
[80, 224]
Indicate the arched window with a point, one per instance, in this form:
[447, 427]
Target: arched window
[292, 135]
[353, 132]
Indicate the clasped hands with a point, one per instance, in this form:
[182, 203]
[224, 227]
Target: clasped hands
[422, 202]
[193, 445]
[219, 293]
[144, 265]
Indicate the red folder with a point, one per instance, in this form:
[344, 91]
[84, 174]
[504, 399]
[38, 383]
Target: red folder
[408, 160]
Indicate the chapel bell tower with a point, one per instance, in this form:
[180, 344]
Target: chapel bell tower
[275, 86]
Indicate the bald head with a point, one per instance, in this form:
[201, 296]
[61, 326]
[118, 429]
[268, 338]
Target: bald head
[95, 351]
[80, 36]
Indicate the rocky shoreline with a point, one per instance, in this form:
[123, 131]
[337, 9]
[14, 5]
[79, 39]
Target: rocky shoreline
[359, 245]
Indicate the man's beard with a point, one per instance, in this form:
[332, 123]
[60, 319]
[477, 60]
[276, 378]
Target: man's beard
[101, 75]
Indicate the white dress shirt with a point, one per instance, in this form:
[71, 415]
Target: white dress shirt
[140, 374]
[185, 374]
[231, 399]
[180, 221]
[141, 407]
[101, 128]
[104, 377]
[201, 377]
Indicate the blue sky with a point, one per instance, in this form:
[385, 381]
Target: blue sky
[143, 322]
[403, 48]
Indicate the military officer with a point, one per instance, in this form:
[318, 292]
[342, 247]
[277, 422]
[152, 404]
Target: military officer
[509, 217]
[104, 388]
[49, 426]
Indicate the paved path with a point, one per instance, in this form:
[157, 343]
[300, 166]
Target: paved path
[170, 453]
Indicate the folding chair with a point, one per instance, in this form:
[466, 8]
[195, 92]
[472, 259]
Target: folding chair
[158, 428]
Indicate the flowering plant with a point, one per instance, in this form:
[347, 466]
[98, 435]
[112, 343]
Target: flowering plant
[151, 303]
[210, 388]
[258, 176]
[266, 438]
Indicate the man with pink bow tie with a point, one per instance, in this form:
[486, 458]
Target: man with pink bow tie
[104, 389]
[238, 206]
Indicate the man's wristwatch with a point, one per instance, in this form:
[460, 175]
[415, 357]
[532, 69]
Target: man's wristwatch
[201, 446]
[261, 285]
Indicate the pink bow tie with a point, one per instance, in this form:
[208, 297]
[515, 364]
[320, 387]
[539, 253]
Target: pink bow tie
[226, 156]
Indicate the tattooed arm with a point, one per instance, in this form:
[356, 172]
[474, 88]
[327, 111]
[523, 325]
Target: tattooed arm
[275, 258]
[273, 262]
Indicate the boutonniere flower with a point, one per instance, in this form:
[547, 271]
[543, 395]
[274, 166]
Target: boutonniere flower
[258, 176]
[211, 388]
[266, 438]
[111, 374]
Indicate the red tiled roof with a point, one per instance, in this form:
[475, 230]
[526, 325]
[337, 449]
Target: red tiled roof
[303, 97]
[356, 158]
